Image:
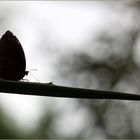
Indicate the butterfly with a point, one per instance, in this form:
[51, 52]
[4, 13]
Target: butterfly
[12, 58]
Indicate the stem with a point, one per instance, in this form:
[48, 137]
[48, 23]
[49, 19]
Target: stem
[49, 89]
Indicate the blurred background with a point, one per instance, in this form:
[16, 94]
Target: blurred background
[85, 44]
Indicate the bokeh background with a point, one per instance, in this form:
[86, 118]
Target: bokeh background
[87, 44]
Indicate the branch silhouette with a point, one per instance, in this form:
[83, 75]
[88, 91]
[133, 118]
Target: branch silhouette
[49, 89]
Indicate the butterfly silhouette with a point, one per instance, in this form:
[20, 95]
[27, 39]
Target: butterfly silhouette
[12, 58]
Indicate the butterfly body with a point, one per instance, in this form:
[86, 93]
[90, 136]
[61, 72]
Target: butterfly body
[12, 58]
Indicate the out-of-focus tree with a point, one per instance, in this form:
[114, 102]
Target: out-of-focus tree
[7, 129]
[109, 61]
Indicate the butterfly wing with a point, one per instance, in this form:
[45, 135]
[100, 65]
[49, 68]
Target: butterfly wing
[12, 58]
